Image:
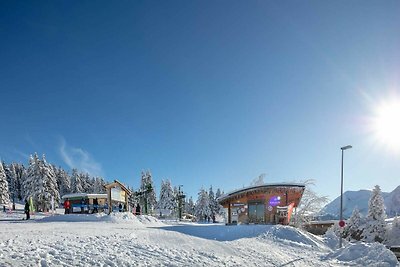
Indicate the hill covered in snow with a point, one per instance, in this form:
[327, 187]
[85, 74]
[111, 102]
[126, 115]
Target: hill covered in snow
[359, 199]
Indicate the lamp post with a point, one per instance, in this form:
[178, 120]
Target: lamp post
[341, 195]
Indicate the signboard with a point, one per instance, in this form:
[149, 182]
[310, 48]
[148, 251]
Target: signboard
[117, 194]
[275, 201]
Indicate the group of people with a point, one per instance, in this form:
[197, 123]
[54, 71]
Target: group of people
[67, 206]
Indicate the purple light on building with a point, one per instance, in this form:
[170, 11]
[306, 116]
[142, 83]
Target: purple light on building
[275, 201]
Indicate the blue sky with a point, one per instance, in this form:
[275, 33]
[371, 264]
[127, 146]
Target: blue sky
[201, 92]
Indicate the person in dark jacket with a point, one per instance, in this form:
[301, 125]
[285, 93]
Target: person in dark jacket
[27, 210]
[95, 205]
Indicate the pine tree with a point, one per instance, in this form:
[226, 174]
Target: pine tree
[148, 199]
[202, 208]
[4, 191]
[50, 184]
[354, 226]
[41, 183]
[214, 206]
[20, 176]
[63, 181]
[220, 210]
[98, 185]
[189, 206]
[375, 229]
[87, 185]
[167, 201]
[11, 180]
[76, 182]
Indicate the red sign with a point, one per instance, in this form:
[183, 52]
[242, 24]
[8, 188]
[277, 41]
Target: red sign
[290, 209]
[342, 223]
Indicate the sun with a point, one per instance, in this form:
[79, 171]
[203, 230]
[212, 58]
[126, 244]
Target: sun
[386, 123]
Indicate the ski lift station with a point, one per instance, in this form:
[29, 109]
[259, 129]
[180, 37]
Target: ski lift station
[263, 204]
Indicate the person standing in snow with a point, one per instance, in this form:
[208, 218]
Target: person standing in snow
[120, 207]
[138, 209]
[27, 210]
[95, 205]
[82, 205]
[66, 206]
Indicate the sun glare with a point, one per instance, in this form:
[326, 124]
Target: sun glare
[386, 124]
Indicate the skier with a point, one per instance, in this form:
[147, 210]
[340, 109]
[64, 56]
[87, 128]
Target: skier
[67, 206]
[27, 210]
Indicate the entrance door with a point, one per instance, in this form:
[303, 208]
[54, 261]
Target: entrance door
[256, 212]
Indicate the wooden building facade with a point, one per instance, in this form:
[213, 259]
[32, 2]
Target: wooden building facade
[264, 204]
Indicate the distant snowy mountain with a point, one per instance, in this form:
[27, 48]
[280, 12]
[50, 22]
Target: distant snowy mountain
[392, 202]
[359, 199]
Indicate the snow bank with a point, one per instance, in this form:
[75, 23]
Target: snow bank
[116, 217]
[126, 217]
[366, 254]
[292, 236]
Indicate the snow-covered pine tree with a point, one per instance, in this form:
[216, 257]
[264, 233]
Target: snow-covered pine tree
[393, 234]
[50, 185]
[149, 200]
[98, 185]
[87, 185]
[202, 208]
[11, 180]
[133, 199]
[214, 206]
[4, 191]
[40, 183]
[33, 177]
[167, 201]
[189, 206]
[375, 228]
[220, 210]
[76, 182]
[63, 181]
[20, 172]
[354, 226]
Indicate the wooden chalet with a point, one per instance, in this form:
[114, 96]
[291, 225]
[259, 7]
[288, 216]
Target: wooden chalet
[264, 204]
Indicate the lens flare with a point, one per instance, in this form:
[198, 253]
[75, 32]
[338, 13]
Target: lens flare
[386, 124]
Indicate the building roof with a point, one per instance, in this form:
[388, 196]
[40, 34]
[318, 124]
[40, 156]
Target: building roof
[262, 186]
[120, 184]
[84, 195]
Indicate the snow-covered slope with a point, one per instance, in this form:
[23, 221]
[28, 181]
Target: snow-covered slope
[359, 199]
[125, 240]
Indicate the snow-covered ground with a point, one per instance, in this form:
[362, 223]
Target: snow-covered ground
[122, 239]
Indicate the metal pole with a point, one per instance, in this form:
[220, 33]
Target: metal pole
[341, 200]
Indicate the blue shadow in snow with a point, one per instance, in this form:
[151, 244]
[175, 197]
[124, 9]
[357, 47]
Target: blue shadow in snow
[219, 232]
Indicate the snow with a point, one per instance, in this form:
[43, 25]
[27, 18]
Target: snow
[365, 254]
[122, 239]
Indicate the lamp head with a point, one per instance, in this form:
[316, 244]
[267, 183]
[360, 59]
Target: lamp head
[346, 147]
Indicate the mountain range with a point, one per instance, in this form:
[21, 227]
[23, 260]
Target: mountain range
[359, 199]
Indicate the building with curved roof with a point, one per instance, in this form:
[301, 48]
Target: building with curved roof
[266, 203]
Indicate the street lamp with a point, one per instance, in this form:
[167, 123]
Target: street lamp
[341, 196]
